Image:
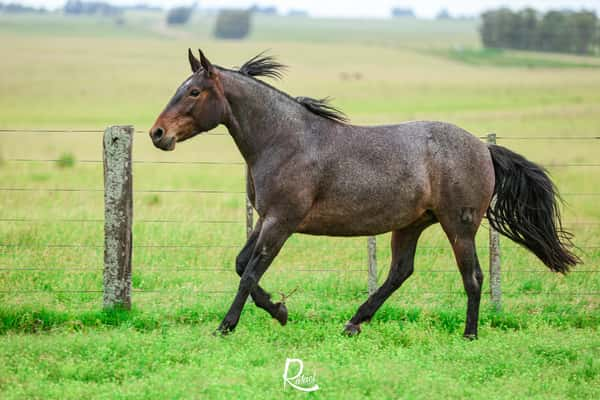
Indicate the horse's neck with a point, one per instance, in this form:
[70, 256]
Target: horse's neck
[261, 119]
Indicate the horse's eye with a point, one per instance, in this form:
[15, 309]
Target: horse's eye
[194, 93]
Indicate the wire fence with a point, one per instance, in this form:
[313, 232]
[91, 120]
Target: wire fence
[214, 191]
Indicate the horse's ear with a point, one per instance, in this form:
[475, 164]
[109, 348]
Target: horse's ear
[208, 67]
[194, 63]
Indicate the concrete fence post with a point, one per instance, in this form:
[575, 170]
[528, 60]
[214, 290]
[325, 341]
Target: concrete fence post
[494, 247]
[118, 216]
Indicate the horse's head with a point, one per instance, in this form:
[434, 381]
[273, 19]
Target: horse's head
[198, 105]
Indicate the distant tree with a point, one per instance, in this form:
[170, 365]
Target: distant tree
[266, 10]
[19, 8]
[73, 7]
[560, 31]
[597, 40]
[497, 28]
[77, 7]
[179, 15]
[554, 33]
[487, 30]
[233, 24]
[585, 27]
[443, 14]
[294, 12]
[143, 7]
[402, 12]
[528, 29]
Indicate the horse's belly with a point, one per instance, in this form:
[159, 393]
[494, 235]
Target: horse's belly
[367, 198]
[358, 220]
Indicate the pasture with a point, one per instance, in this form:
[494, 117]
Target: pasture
[56, 342]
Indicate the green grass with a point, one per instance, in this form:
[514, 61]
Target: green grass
[132, 354]
[56, 342]
[506, 58]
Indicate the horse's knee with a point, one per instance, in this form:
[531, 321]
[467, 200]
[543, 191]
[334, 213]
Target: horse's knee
[248, 282]
[240, 264]
[476, 280]
[473, 286]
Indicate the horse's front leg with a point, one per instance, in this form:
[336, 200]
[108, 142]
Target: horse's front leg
[261, 298]
[271, 238]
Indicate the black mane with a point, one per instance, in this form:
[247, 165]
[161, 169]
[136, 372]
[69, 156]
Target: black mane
[262, 65]
[268, 66]
[323, 108]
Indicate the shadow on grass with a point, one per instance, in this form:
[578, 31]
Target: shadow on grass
[28, 320]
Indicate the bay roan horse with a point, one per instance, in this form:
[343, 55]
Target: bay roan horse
[312, 172]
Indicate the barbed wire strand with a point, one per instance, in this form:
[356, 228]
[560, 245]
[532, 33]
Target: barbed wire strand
[40, 131]
[140, 131]
[179, 221]
[282, 269]
[233, 246]
[231, 163]
[86, 161]
[96, 190]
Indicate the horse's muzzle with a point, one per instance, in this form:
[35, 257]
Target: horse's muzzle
[161, 140]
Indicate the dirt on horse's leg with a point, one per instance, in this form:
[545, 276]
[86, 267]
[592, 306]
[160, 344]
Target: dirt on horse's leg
[404, 243]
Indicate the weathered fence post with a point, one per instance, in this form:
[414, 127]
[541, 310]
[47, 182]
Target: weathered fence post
[495, 282]
[118, 216]
[249, 208]
[372, 254]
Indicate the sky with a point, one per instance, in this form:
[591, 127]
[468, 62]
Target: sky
[362, 8]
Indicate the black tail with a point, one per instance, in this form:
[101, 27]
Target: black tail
[526, 209]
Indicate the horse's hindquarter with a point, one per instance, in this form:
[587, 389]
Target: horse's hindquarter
[373, 180]
[462, 173]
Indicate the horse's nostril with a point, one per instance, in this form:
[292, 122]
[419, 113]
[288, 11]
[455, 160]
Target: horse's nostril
[158, 133]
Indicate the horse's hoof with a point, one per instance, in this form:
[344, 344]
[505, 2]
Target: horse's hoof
[219, 333]
[470, 336]
[351, 329]
[225, 328]
[281, 313]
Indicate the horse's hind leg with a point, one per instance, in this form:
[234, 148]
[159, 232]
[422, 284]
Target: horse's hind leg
[404, 243]
[461, 230]
[260, 297]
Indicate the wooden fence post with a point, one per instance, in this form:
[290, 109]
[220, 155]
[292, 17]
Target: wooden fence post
[495, 277]
[118, 216]
[249, 208]
[372, 255]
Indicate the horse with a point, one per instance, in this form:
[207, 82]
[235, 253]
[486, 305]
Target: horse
[312, 172]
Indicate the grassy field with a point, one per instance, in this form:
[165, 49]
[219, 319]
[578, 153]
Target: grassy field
[56, 342]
